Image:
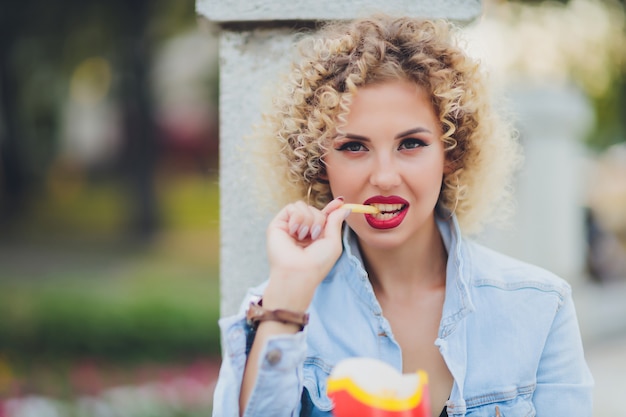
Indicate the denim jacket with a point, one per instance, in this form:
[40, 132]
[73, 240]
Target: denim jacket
[508, 334]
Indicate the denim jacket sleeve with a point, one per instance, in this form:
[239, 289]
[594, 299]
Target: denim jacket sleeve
[564, 382]
[278, 388]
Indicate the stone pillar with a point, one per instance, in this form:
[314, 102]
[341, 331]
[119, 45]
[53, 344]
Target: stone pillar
[255, 46]
[548, 228]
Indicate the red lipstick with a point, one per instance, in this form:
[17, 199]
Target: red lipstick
[393, 211]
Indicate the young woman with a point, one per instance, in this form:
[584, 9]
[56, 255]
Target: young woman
[390, 112]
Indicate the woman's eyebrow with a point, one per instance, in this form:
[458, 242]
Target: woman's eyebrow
[357, 137]
[412, 131]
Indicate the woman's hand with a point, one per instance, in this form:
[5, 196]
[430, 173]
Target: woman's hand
[303, 244]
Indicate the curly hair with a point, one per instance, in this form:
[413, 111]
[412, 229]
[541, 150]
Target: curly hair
[336, 60]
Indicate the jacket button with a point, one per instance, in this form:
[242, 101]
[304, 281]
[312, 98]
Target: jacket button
[273, 356]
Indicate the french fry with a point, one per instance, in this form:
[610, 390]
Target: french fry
[361, 208]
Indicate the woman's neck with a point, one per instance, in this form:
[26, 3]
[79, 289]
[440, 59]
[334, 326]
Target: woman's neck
[417, 266]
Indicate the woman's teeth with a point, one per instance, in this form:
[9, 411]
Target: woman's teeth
[387, 211]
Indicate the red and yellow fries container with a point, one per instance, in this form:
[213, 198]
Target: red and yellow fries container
[366, 387]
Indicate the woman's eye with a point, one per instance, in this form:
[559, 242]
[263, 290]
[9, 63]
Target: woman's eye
[352, 147]
[412, 143]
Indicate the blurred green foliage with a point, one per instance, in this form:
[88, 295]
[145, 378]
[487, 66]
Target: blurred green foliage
[109, 319]
[610, 127]
[71, 288]
[133, 317]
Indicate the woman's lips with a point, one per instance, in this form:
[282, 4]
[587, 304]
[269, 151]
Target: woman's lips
[393, 209]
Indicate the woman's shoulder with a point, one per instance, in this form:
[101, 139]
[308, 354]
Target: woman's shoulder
[492, 268]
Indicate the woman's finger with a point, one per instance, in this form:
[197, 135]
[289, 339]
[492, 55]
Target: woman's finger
[334, 221]
[333, 205]
[302, 219]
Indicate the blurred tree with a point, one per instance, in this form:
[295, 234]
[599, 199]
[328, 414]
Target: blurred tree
[141, 144]
[610, 123]
[11, 154]
[41, 42]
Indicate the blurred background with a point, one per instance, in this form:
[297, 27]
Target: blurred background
[109, 245]
[108, 208]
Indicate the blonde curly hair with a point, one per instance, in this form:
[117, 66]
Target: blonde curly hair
[336, 60]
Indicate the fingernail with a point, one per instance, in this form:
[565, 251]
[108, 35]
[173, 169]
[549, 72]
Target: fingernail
[339, 198]
[316, 231]
[303, 232]
[293, 228]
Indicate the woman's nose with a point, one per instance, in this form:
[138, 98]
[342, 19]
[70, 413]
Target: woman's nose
[385, 174]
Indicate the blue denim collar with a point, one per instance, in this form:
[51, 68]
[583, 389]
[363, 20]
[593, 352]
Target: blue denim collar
[457, 302]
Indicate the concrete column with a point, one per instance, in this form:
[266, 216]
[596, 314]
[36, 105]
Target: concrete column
[549, 225]
[255, 43]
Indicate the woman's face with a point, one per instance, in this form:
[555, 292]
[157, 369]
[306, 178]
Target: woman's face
[391, 156]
